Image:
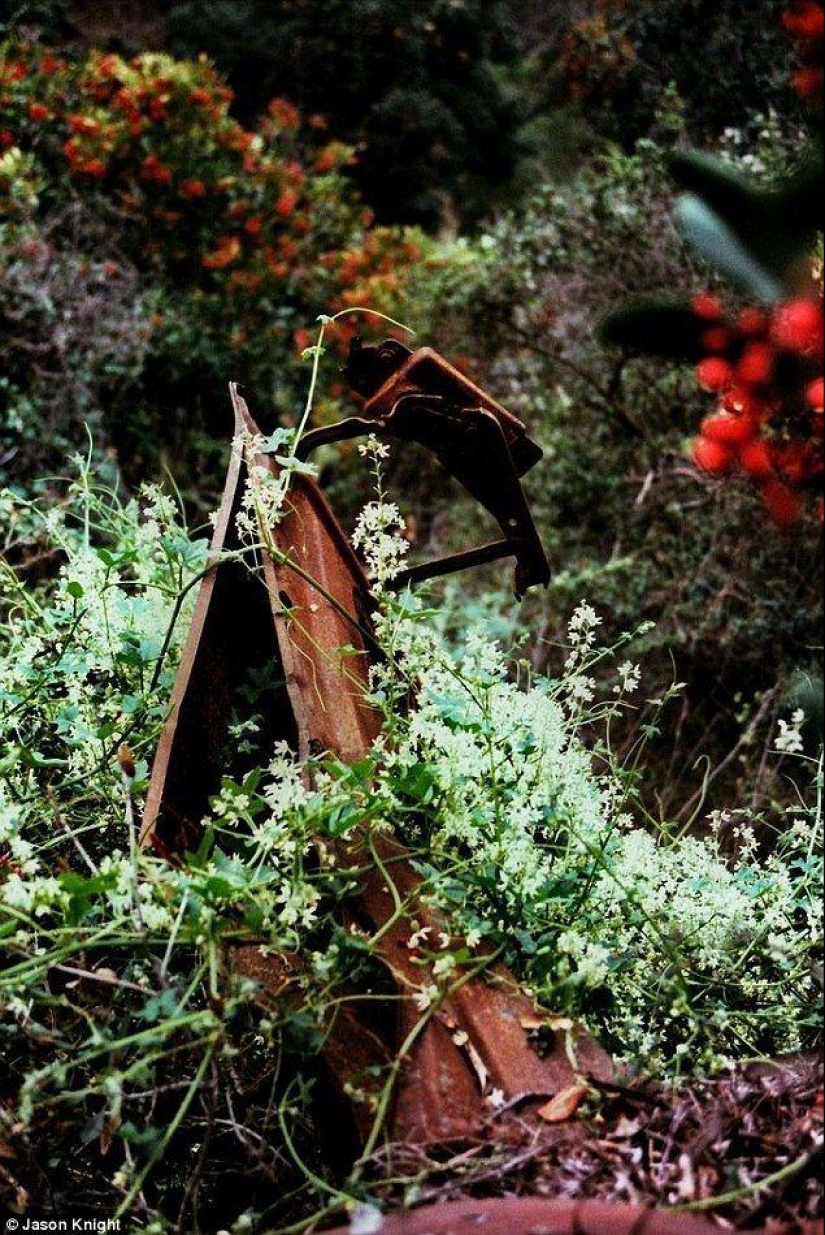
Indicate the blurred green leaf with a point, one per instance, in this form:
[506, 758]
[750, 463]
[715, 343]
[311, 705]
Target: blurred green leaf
[776, 226]
[719, 245]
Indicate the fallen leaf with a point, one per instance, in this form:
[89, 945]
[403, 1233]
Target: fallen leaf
[565, 1104]
[108, 1133]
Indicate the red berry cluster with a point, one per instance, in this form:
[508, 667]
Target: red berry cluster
[767, 368]
[805, 21]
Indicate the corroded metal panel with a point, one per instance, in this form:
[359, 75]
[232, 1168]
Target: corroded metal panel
[526, 1216]
[301, 616]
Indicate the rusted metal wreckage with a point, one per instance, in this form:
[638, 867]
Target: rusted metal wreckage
[286, 625]
[316, 601]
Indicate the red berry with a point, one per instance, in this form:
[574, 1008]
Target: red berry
[757, 365]
[808, 82]
[782, 503]
[708, 307]
[798, 327]
[712, 457]
[806, 20]
[717, 339]
[714, 374]
[815, 394]
[793, 463]
[756, 459]
[728, 430]
[739, 402]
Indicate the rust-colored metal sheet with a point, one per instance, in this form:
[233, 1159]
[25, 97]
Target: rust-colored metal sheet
[289, 622]
[391, 372]
[483, 1038]
[231, 637]
[526, 1216]
[300, 619]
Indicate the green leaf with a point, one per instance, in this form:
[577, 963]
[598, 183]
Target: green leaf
[777, 226]
[343, 819]
[656, 327]
[719, 246]
[417, 782]
[160, 1007]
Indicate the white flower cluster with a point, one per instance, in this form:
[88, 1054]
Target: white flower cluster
[690, 957]
[76, 667]
[379, 529]
[789, 740]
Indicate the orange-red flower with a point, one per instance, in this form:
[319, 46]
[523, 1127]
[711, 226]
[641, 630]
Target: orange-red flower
[287, 204]
[153, 171]
[226, 253]
[95, 168]
[284, 114]
[327, 160]
[83, 125]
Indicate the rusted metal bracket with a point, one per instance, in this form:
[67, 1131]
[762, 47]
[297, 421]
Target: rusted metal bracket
[299, 620]
[420, 397]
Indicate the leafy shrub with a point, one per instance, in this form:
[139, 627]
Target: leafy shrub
[233, 237]
[727, 62]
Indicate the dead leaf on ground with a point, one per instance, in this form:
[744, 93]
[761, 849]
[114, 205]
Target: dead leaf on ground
[565, 1104]
[108, 1133]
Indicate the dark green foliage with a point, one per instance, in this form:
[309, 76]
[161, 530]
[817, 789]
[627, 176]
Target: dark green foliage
[416, 82]
[49, 17]
[728, 60]
[775, 225]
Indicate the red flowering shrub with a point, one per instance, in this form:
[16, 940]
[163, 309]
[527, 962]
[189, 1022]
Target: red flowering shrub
[597, 59]
[200, 190]
[246, 235]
